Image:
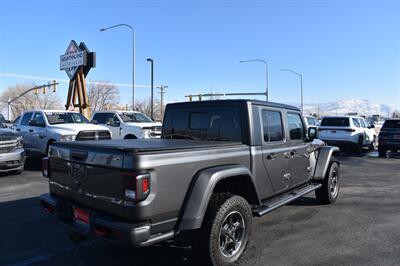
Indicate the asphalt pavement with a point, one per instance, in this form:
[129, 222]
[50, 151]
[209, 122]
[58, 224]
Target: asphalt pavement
[361, 228]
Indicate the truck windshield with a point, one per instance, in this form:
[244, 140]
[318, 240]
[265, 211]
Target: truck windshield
[134, 118]
[66, 118]
[335, 122]
[203, 123]
[391, 124]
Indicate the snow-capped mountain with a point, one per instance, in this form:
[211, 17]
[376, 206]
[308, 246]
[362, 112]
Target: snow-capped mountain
[346, 106]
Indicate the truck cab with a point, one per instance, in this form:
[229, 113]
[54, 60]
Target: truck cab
[128, 124]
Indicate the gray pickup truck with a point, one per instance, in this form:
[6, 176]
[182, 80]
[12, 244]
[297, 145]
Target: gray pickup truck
[217, 164]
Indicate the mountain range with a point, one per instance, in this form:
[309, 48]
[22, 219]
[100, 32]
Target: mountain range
[345, 106]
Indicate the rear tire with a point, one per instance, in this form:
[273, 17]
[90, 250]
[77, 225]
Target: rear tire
[359, 145]
[329, 192]
[225, 231]
[382, 152]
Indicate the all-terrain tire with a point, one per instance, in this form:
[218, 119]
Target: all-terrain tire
[329, 191]
[223, 210]
[359, 145]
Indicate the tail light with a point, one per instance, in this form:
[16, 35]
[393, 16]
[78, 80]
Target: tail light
[137, 187]
[46, 167]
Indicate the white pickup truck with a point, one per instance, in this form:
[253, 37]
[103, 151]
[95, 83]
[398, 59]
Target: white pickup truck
[128, 124]
[41, 128]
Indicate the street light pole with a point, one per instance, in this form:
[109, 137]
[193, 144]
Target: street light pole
[133, 56]
[152, 87]
[266, 74]
[301, 86]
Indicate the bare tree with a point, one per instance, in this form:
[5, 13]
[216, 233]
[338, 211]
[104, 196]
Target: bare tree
[144, 106]
[103, 96]
[30, 101]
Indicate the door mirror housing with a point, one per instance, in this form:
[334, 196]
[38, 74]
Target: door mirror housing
[94, 122]
[312, 133]
[35, 123]
[371, 126]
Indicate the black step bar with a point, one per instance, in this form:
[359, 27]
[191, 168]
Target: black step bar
[264, 209]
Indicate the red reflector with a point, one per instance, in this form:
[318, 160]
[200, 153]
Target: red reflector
[145, 185]
[81, 215]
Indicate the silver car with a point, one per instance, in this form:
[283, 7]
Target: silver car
[40, 129]
[12, 156]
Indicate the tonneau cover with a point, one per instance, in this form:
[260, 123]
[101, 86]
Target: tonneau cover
[145, 145]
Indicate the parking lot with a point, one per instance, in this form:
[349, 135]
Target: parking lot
[361, 228]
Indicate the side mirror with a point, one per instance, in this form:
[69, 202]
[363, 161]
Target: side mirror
[115, 124]
[94, 122]
[371, 126]
[312, 134]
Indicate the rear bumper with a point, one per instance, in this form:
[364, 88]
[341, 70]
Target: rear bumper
[389, 145]
[102, 226]
[12, 161]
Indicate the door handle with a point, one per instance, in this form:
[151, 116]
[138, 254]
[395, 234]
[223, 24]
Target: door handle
[30, 130]
[18, 129]
[271, 156]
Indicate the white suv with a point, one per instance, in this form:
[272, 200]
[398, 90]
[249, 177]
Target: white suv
[352, 131]
[128, 124]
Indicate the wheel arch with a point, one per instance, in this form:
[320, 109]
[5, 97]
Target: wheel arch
[326, 155]
[229, 178]
[130, 136]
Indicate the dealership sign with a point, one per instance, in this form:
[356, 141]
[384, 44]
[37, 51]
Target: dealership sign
[76, 56]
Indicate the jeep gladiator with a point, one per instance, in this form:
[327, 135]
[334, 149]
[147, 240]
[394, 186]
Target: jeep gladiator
[217, 164]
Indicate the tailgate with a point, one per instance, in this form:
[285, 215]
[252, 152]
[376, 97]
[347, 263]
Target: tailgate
[92, 179]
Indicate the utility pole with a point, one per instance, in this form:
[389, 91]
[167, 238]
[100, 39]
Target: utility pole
[152, 87]
[162, 92]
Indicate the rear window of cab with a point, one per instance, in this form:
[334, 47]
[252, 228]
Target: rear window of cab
[335, 122]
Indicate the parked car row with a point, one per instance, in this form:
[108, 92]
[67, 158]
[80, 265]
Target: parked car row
[41, 128]
[35, 131]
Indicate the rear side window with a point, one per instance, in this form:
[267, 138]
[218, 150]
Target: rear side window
[335, 122]
[356, 122]
[25, 119]
[295, 125]
[391, 124]
[272, 126]
[203, 123]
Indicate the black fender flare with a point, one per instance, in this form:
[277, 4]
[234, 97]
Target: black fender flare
[325, 156]
[201, 189]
